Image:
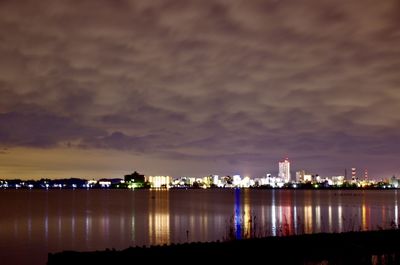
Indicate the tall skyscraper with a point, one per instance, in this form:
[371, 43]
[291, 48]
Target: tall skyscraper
[284, 170]
[353, 173]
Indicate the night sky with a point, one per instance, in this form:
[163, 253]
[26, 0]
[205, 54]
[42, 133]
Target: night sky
[102, 88]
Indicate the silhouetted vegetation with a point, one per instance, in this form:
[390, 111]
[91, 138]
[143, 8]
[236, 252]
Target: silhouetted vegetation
[372, 247]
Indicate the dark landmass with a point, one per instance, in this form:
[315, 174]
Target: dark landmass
[372, 247]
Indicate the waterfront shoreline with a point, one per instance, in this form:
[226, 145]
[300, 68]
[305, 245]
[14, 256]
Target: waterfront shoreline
[333, 248]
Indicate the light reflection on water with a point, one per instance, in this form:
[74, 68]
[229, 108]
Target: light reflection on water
[159, 221]
[37, 222]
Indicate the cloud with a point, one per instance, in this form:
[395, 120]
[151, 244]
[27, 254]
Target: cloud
[119, 141]
[41, 130]
[210, 80]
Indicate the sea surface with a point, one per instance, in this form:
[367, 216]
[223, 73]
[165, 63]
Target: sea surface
[36, 222]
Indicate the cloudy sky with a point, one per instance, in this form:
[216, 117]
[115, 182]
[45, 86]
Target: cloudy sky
[180, 87]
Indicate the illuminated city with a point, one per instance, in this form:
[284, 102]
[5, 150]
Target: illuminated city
[303, 179]
[190, 131]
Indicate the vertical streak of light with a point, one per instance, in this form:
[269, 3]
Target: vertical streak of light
[248, 222]
[340, 218]
[159, 223]
[151, 227]
[295, 218]
[106, 226]
[273, 214]
[308, 216]
[73, 220]
[289, 210]
[330, 219]
[287, 222]
[132, 234]
[308, 213]
[205, 226]
[30, 227]
[29, 222]
[152, 198]
[318, 218]
[396, 210]
[201, 226]
[73, 227]
[87, 221]
[165, 218]
[59, 227]
[238, 221]
[46, 228]
[192, 227]
[368, 216]
[262, 219]
[88, 228]
[384, 220]
[364, 216]
[46, 221]
[133, 227]
[293, 215]
[121, 227]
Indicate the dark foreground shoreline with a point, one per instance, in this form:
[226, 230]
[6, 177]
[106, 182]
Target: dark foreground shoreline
[372, 247]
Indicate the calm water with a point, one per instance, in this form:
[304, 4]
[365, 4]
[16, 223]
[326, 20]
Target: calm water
[33, 223]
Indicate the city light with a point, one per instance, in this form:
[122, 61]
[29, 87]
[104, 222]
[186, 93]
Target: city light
[303, 180]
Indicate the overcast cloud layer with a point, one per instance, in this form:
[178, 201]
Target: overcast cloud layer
[237, 83]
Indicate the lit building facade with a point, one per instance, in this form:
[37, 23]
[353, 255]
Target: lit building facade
[159, 181]
[284, 170]
[302, 176]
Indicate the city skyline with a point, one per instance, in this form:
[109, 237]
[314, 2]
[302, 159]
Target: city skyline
[99, 88]
[283, 171]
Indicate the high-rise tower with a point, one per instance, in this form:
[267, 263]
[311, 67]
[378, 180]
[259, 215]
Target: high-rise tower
[284, 170]
[353, 173]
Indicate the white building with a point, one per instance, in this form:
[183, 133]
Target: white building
[216, 180]
[246, 182]
[302, 176]
[284, 170]
[338, 180]
[159, 181]
[236, 180]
